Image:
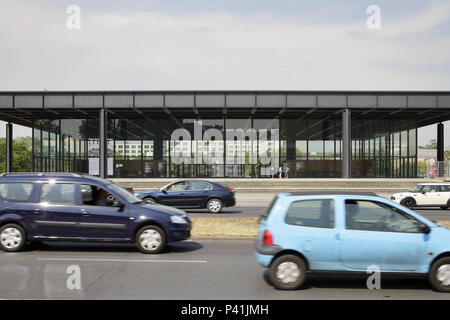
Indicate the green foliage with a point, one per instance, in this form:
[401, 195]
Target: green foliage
[22, 154]
[431, 145]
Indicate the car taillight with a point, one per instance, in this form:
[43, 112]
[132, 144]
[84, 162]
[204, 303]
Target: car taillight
[267, 238]
[230, 190]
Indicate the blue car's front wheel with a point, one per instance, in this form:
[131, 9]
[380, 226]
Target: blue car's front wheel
[150, 239]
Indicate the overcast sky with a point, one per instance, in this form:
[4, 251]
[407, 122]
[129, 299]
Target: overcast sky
[226, 45]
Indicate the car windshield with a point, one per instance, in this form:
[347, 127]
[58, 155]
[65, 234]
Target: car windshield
[416, 188]
[119, 190]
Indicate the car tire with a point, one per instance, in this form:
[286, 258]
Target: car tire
[444, 207]
[408, 203]
[288, 272]
[439, 275]
[214, 205]
[150, 200]
[150, 239]
[12, 237]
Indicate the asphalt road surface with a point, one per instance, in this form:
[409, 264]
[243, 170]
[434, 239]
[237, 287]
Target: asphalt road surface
[255, 211]
[190, 270]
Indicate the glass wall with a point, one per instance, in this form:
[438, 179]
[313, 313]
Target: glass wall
[236, 145]
[383, 147]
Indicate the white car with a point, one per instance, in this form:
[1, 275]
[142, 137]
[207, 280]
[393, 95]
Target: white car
[425, 195]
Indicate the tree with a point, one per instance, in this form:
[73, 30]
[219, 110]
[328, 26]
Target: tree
[22, 154]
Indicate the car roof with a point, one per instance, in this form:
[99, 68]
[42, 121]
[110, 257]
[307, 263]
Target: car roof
[331, 193]
[58, 176]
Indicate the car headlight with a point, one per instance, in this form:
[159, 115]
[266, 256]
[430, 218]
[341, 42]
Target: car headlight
[177, 219]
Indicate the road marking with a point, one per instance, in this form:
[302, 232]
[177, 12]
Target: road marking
[120, 260]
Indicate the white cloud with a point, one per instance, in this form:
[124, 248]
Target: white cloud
[151, 50]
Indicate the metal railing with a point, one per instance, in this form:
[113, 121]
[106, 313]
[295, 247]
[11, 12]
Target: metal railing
[435, 169]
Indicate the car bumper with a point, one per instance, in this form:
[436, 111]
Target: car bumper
[180, 232]
[264, 254]
[229, 201]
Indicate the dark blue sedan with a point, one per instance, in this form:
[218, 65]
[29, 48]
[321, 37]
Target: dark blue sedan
[192, 194]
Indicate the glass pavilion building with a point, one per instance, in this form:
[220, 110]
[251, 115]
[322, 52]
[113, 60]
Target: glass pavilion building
[236, 134]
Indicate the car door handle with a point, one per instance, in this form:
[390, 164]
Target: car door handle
[86, 214]
[338, 236]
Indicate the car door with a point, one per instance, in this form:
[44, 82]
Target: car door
[57, 212]
[103, 219]
[431, 195]
[175, 194]
[197, 193]
[379, 234]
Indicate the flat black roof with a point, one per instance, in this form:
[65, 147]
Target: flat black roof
[23, 107]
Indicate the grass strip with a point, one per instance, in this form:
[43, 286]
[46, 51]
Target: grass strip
[224, 228]
[234, 227]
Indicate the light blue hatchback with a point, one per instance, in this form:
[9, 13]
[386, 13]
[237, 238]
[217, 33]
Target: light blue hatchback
[306, 232]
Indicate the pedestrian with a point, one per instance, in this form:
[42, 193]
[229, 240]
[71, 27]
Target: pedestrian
[280, 171]
[272, 171]
[287, 172]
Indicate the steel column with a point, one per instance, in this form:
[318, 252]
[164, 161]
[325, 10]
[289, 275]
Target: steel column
[440, 149]
[9, 146]
[346, 143]
[103, 143]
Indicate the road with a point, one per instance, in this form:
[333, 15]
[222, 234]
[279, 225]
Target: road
[255, 211]
[189, 270]
[254, 205]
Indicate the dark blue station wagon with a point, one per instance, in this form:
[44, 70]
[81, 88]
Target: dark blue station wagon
[38, 207]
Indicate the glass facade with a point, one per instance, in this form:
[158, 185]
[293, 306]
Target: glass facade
[235, 145]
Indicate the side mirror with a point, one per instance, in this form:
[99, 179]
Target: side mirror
[163, 190]
[423, 192]
[423, 228]
[120, 206]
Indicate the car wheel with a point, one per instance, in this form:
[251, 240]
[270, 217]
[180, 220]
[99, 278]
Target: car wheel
[150, 200]
[408, 203]
[288, 272]
[150, 239]
[214, 205]
[12, 237]
[439, 275]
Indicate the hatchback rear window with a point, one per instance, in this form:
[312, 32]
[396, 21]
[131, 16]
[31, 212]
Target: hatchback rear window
[311, 213]
[16, 192]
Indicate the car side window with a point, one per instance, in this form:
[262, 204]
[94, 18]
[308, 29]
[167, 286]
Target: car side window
[16, 192]
[377, 216]
[199, 185]
[430, 188]
[180, 186]
[445, 188]
[311, 213]
[57, 193]
[95, 196]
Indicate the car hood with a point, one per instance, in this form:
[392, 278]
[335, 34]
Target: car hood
[164, 209]
[148, 192]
